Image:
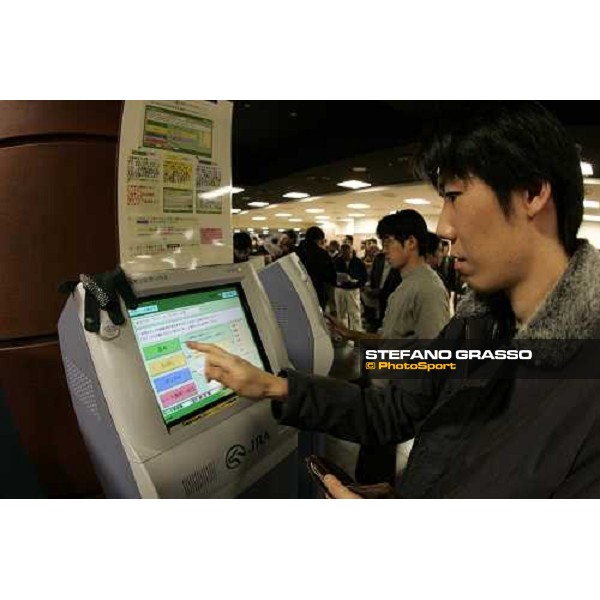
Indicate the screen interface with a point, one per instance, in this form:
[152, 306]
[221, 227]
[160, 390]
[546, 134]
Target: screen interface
[162, 325]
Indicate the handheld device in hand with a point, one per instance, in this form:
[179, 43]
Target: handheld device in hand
[319, 466]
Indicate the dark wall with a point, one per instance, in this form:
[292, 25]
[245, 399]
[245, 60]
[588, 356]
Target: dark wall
[58, 219]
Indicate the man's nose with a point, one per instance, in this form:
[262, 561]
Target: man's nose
[445, 227]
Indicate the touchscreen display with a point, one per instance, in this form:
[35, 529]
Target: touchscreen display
[162, 325]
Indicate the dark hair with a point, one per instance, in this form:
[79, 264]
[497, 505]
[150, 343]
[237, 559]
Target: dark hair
[433, 243]
[401, 225]
[510, 146]
[314, 234]
[242, 241]
[292, 235]
[349, 237]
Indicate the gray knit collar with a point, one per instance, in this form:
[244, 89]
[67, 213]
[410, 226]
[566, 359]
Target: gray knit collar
[571, 312]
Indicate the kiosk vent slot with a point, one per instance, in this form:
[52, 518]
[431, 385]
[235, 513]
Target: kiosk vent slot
[200, 479]
[82, 389]
[281, 313]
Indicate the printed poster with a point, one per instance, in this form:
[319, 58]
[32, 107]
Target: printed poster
[175, 184]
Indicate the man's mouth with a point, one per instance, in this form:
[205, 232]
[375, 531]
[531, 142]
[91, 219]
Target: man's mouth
[459, 262]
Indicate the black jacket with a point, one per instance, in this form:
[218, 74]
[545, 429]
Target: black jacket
[387, 287]
[483, 435]
[320, 268]
[355, 268]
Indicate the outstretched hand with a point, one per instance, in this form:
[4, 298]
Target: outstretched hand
[238, 374]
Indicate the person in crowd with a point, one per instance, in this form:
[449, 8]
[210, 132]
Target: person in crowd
[419, 308]
[371, 251]
[511, 182]
[242, 246]
[434, 252]
[317, 263]
[259, 249]
[288, 242]
[349, 239]
[351, 277]
[273, 248]
[383, 281]
[333, 249]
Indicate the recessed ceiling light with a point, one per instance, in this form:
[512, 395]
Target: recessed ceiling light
[314, 210]
[281, 230]
[356, 215]
[244, 212]
[310, 199]
[322, 218]
[586, 169]
[354, 184]
[295, 220]
[283, 214]
[358, 205]
[235, 211]
[591, 204]
[236, 231]
[591, 217]
[258, 204]
[417, 201]
[296, 228]
[259, 218]
[272, 206]
[296, 195]
[236, 190]
[371, 189]
[250, 229]
[591, 181]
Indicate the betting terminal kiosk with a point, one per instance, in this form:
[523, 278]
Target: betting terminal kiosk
[154, 426]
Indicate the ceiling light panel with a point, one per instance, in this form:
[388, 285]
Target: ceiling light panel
[354, 184]
[296, 195]
[416, 201]
[586, 169]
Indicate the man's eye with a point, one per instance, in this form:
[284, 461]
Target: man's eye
[452, 196]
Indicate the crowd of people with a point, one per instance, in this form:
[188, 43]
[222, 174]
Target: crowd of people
[352, 286]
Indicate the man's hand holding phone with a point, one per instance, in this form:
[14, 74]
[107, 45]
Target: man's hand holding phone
[338, 491]
[334, 482]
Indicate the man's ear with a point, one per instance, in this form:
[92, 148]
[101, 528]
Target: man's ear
[411, 240]
[538, 199]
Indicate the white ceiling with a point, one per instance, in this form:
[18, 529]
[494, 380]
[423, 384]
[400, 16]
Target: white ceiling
[381, 201]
